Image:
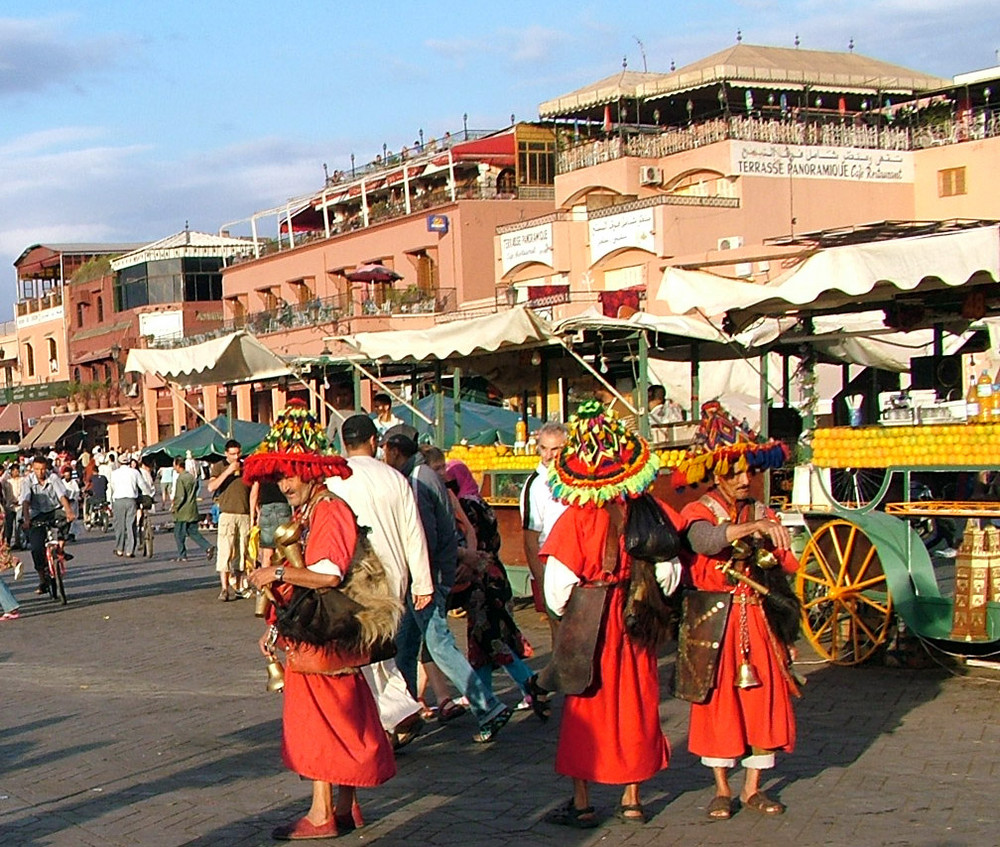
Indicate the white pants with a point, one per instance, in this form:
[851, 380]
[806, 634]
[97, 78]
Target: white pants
[390, 692]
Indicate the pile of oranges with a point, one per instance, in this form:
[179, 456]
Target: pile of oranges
[492, 457]
[940, 445]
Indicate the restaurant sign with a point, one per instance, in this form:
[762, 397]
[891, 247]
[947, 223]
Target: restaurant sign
[532, 244]
[627, 229]
[43, 316]
[853, 164]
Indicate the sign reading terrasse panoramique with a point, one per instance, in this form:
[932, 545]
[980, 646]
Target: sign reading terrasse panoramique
[854, 164]
[531, 244]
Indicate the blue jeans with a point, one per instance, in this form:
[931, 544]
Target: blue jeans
[516, 670]
[184, 530]
[7, 599]
[430, 624]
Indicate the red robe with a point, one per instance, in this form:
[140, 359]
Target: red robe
[735, 719]
[611, 733]
[332, 731]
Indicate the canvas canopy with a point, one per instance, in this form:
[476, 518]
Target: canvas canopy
[226, 361]
[841, 276]
[208, 441]
[518, 327]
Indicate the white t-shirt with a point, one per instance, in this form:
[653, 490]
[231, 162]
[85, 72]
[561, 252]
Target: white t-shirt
[539, 510]
[382, 500]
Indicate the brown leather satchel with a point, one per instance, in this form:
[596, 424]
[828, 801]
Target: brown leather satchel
[571, 669]
[703, 622]
[574, 648]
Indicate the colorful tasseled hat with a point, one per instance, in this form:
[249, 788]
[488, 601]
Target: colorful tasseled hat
[295, 446]
[602, 460]
[723, 445]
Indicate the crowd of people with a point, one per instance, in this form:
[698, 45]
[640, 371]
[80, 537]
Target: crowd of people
[392, 517]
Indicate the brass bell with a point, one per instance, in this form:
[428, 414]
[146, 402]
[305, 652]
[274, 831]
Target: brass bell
[747, 678]
[260, 604]
[275, 675]
[766, 559]
[741, 550]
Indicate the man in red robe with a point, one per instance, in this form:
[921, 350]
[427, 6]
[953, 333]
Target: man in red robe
[332, 734]
[748, 723]
[610, 732]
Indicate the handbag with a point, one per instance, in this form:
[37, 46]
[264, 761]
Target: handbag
[574, 646]
[318, 616]
[649, 533]
[703, 624]
[571, 669]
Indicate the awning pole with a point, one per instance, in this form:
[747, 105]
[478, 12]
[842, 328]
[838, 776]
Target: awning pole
[764, 422]
[438, 406]
[184, 400]
[597, 376]
[695, 384]
[644, 385]
[402, 400]
[406, 186]
[456, 394]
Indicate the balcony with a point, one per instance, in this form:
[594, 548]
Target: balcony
[325, 313]
[39, 304]
[384, 210]
[840, 132]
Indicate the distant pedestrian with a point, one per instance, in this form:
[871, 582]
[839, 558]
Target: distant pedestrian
[185, 510]
[232, 495]
[124, 490]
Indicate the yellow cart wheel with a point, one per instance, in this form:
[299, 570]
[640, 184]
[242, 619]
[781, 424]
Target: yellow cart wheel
[846, 607]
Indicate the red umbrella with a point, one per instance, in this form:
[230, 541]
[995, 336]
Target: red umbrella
[373, 273]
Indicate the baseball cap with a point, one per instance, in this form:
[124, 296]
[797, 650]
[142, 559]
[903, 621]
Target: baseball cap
[357, 428]
[401, 435]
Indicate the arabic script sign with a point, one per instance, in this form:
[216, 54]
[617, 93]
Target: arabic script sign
[751, 158]
[629, 229]
[533, 244]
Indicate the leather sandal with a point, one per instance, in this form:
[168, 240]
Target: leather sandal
[540, 704]
[570, 815]
[627, 813]
[720, 809]
[763, 805]
[449, 710]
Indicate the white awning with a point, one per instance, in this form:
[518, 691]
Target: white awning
[842, 275]
[228, 360]
[460, 338]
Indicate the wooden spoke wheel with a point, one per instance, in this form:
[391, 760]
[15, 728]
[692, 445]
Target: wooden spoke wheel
[846, 607]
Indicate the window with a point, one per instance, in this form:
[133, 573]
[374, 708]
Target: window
[100, 310]
[951, 182]
[53, 354]
[29, 360]
[79, 314]
[536, 162]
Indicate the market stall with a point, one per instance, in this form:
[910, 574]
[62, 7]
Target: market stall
[865, 569]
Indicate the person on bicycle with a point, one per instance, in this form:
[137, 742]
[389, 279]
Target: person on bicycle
[42, 494]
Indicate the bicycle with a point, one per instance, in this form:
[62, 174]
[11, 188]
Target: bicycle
[56, 555]
[144, 528]
[98, 516]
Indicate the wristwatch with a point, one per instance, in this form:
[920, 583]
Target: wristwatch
[279, 573]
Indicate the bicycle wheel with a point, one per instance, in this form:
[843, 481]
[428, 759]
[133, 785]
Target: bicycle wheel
[61, 585]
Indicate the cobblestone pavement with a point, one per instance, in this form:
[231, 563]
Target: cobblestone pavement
[137, 715]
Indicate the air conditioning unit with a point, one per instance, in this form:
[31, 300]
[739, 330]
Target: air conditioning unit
[650, 175]
[31, 422]
[730, 242]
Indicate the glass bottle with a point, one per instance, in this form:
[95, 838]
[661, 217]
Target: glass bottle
[984, 388]
[972, 401]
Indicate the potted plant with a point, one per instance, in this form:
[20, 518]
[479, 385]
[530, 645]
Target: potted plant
[74, 398]
[60, 392]
[101, 392]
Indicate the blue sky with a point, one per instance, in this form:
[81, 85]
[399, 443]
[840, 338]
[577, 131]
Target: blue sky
[119, 121]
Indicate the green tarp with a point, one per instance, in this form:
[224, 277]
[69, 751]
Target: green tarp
[204, 442]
